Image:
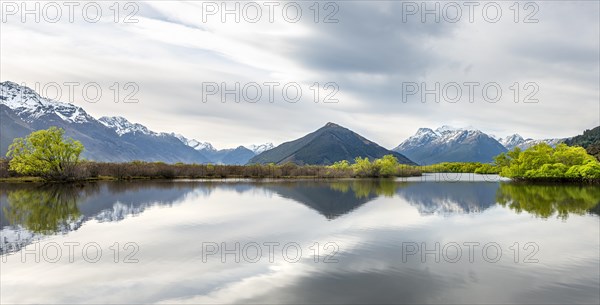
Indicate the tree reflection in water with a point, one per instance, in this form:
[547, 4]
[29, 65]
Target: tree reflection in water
[365, 188]
[546, 200]
[45, 209]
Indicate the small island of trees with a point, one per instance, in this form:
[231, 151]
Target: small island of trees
[544, 163]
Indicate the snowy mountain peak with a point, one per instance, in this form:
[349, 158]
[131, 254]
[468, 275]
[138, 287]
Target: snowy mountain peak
[446, 128]
[181, 138]
[30, 106]
[257, 149]
[203, 146]
[123, 126]
[425, 132]
[451, 129]
[195, 144]
[422, 137]
[511, 141]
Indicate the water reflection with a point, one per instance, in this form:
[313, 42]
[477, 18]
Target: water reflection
[368, 219]
[45, 209]
[333, 198]
[547, 200]
[448, 198]
[30, 211]
[54, 208]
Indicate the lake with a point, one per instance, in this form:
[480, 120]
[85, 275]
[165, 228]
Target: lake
[432, 239]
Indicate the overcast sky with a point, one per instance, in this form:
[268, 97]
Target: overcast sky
[371, 51]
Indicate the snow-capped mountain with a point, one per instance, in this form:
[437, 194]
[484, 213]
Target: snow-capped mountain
[516, 140]
[30, 106]
[423, 137]
[122, 126]
[231, 156]
[257, 149]
[113, 139]
[206, 146]
[195, 144]
[449, 144]
[234, 156]
[512, 141]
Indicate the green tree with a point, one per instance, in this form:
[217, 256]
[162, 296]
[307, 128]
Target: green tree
[341, 165]
[388, 165]
[363, 167]
[45, 153]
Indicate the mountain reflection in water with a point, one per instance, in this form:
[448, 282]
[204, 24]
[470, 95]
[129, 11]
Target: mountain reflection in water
[31, 211]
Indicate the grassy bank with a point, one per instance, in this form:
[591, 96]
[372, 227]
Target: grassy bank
[90, 171]
[540, 163]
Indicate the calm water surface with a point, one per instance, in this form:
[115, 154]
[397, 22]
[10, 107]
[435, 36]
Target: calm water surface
[433, 239]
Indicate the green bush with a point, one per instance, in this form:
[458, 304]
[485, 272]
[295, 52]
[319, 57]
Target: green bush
[543, 162]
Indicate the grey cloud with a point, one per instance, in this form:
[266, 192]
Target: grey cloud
[368, 39]
[369, 54]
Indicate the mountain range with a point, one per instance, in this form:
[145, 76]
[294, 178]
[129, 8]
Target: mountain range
[111, 139]
[116, 139]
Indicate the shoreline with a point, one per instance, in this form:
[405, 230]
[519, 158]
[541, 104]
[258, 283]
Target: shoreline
[39, 180]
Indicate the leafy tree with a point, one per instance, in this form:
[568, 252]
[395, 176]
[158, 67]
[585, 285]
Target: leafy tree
[570, 156]
[387, 165]
[363, 167]
[45, 153]
[341, 165]
[589, 170]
